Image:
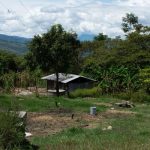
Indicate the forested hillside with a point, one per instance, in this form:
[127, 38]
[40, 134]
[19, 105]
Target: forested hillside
[19, 46]
[14, 44]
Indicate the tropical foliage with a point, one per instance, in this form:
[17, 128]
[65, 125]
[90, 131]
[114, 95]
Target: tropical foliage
[119, 65]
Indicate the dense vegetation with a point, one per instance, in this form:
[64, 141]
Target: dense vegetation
[121, 68]
[119, 65]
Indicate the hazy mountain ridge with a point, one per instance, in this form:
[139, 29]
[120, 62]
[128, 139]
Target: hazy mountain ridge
[18, 44]
[14, 44]
[15, 39]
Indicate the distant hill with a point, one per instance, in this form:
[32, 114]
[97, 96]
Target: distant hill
[14, 43]
[18, 44]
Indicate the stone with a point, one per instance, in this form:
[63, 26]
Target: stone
[109, 128]
[27, 134]
[22, 114]
[125, 104]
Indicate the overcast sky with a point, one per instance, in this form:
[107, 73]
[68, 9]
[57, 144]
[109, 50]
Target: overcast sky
[29, 17]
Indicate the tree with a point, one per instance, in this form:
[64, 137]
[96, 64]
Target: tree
[100, 37]
[7, 62]
[55, 50]
[130, 23]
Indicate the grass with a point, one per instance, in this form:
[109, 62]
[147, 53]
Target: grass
[128, 132]
[94, 92]
[44, 103]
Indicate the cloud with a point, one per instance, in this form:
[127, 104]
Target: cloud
[92, 16]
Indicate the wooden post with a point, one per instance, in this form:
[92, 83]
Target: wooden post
[67, 89]
[47, 85]
[57, 84]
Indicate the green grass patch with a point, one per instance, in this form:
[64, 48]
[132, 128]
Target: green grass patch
[127, 134]
[45, 103]
[94, 92]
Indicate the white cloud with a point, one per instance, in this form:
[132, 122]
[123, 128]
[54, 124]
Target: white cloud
[93, 16]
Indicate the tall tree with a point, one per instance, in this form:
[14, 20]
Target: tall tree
[100, 37]
[131, 23]
[55, 50]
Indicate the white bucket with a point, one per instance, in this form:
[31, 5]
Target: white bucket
[92, 110]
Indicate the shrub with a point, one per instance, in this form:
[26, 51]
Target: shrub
[123, 95]
[140, 96]
[145, 78]
[12, 132]
[94, 92]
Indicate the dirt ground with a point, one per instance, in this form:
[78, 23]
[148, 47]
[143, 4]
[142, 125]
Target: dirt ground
[51, 123]
[42, 124]
[29, 91]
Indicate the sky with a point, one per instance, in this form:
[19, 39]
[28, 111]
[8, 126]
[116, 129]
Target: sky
[27, 18]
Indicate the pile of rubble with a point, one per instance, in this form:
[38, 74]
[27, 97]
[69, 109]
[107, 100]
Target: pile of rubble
[125, 104]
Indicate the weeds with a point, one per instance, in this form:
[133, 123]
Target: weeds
[94, 92]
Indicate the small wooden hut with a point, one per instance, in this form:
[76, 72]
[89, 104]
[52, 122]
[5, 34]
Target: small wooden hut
[68, 82]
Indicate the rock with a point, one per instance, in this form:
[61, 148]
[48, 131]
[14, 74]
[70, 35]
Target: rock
[112, 108]
[109, 128]
[22, 114]
[125, 104]
[27, 134]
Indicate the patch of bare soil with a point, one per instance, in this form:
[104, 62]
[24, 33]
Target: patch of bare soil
[29, 91]
[117, 113]
[40, 124]
[89, 98]
[47, 123]
[103, 104]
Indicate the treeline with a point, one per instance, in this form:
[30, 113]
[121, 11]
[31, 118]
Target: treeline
[118, 64]
[14, 72]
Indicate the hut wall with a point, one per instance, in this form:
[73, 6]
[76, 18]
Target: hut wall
[52, 85]
[80, 83]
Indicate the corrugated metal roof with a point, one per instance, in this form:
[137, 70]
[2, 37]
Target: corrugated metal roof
[64, 78]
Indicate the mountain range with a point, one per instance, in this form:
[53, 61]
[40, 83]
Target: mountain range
[18, 44]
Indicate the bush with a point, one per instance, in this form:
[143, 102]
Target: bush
[94, 92]
[123, 95]
[139, 96]
[12, 133]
